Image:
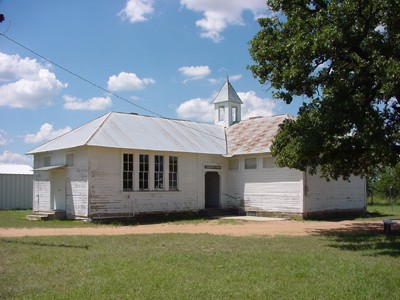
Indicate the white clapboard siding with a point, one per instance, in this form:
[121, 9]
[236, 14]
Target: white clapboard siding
[76, 182]
[322, 195]
[41, 191]
[105, 184]
[267, 189]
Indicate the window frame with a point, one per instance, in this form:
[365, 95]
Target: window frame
[128, 171]
[264, 158]
[47, 161]
[234, 112]
[67, 161]
[159, 172]
[221, 113]
[144, 172]
[173, 173]
[246, 167]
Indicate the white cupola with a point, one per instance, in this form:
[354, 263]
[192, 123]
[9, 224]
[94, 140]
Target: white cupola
[228, 106]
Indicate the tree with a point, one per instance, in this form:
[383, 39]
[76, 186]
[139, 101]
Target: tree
[343, 58]
[386, 182]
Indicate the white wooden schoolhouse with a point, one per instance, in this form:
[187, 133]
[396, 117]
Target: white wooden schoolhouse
[125, 164]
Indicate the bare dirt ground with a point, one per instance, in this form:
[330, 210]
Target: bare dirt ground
[216, 227]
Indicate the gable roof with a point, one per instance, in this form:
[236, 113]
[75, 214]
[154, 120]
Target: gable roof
[227, 93]
[131, 131]
[254, 135]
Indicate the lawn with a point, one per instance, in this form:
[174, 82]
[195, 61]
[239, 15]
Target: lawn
[178, 266]
[184, 266]
[17, 219]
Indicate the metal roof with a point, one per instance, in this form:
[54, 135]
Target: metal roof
[131, 131]
[227, 93]
[254, 135]
[16, 169]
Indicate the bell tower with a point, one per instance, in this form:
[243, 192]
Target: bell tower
[228, 106]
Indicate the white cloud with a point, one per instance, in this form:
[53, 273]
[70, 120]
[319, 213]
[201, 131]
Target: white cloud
[235, 77]
[196, 109]
[9, 157]
[254, 106]
[218, 15]
[28, 84]
[3, 137]
[128, 82]
[195, 72]
[95, 103]
[45, 133]
[203, 109]
[137, 10]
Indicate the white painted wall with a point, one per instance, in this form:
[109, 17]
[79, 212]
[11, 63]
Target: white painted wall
[268, 189]
[322, 195]
[41, 191]
[94, 185]
[76, 182]
[107, 195]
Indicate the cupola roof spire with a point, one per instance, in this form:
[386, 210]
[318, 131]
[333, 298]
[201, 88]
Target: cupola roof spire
[227, 94]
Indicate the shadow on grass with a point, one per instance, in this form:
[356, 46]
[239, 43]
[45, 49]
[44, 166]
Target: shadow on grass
[41, 244]
[364, 237]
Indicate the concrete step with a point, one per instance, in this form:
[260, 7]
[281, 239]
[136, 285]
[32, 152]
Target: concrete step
[221, 212]
[46, 215]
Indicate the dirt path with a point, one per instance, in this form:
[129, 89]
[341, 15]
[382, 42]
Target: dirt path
[247, 228]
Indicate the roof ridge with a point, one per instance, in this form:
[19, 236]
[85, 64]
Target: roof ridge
[99, 127]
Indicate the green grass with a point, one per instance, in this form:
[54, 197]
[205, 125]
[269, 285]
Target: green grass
[17, 219]
[178, 266]
[383, 208]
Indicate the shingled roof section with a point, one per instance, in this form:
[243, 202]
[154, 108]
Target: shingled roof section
[254, 135]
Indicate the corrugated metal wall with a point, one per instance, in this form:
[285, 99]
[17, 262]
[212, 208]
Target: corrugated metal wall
[16, 191]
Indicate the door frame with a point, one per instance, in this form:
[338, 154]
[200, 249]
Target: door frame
[58, 190]
[212, 168]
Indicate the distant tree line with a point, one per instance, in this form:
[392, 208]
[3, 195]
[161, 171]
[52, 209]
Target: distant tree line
[385, 183]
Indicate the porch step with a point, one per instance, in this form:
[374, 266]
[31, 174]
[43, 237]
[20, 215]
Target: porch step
[46, 215]
[220, 212]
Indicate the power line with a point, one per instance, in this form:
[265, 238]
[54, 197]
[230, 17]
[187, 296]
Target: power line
[79, 76]
[101, 88]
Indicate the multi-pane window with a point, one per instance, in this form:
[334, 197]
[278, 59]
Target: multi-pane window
[250, 163]
[143, 172]
[158, 172]
[127, 173]
[173, 173]
[268, 162]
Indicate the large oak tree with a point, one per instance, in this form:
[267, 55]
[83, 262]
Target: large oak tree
[343, 58]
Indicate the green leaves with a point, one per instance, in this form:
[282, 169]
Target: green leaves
[344, 56]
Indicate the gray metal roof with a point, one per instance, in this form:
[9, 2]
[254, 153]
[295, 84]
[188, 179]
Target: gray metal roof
[16, 169]
[131, 131]
[254, 135]
[227, 93]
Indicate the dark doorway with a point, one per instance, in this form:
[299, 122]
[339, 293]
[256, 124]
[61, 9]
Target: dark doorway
[211, 181]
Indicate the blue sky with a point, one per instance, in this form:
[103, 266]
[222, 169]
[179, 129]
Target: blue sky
[168, 56]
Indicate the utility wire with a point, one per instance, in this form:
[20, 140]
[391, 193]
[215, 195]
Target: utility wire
[101, 88]
[78, 76]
